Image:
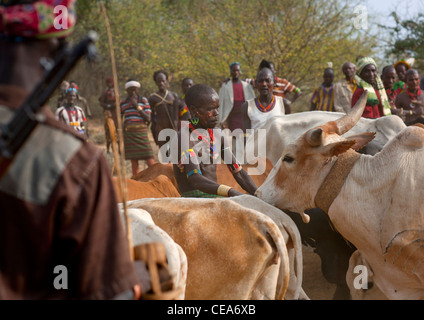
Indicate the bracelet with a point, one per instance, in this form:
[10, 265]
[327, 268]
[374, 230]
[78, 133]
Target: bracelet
[139, 108]
[410, 112]
[223, 190]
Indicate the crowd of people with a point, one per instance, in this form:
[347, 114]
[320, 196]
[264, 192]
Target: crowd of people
[398, 90]
[246, 103]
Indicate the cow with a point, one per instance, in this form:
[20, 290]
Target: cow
[283, 130]
[375, 202]
[160, 187]
[292, 237]
[233, 252]
[144, 230]
[331, 247]
[154, 171]
[333, 250]
[222, 173]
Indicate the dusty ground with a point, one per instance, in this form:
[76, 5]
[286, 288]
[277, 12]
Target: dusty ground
[314, 284]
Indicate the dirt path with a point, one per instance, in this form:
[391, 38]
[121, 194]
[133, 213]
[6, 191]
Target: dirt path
[314, 283]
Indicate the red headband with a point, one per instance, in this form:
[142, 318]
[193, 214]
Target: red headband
[41, 19]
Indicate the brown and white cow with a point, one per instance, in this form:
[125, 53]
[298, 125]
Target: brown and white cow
[232, 251]
[320, 234]
[375, 202]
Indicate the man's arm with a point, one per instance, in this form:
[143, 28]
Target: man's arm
[146, 116]
[315, 99]
[153, 118]
[287, 106]
[92, 215]
[246, 123]
[297, 93]
[197, 180]
[337, 107]
[102, 101]
[240, 175]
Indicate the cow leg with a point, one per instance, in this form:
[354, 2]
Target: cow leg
[372, 292]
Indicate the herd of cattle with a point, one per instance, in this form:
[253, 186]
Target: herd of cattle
[250, 247]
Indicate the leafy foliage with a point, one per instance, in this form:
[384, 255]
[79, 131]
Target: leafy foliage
[407, 39]
[200, 38]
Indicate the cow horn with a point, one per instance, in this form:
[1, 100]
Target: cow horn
[349, 120]
[314, 137]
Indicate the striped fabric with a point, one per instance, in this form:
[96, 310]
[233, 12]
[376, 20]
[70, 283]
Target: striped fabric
[183, 111]
[137, 144]
[132, 115]
[136, 141]
[282, 87]
[323, 98]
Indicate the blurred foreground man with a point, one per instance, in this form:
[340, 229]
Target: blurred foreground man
[60, 230]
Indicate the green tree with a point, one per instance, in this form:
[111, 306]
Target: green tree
[407, 39]
[200, 38]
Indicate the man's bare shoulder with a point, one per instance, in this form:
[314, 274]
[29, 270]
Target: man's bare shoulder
[153, 98]
[173, 94]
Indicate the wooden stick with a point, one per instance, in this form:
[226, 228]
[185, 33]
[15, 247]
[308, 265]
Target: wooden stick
[120, 167]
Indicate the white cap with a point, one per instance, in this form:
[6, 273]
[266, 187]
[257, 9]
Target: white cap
[132, 83]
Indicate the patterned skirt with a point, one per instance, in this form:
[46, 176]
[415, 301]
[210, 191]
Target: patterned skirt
[136, 143]
[198, 194]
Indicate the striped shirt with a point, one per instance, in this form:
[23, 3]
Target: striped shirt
[131, 114]
[282, 87]
[323, 98]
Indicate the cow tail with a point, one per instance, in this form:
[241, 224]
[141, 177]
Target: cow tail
[298, 256]
[278, 242]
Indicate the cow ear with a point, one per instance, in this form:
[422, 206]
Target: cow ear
[336, 148]
[361, 140]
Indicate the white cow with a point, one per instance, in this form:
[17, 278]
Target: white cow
[231, 250]
[283, 130]
[144, 230]
[378, 204]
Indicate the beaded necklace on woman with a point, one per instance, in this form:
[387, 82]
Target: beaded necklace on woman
[268, 108]
[413, 96]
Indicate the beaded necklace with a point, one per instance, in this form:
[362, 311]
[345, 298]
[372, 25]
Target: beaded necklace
[268, 107]
[412, 95]
[209, 141]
